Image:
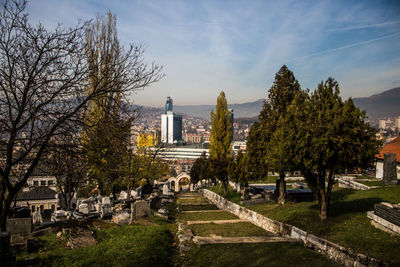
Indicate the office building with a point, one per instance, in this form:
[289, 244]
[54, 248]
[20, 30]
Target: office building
[171, 125]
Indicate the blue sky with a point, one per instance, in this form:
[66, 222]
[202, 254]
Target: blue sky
[238, 46]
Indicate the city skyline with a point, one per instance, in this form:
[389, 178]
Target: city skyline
[209, 46]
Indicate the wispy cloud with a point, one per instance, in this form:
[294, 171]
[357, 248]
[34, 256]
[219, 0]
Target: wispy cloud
[347, 46]
[366, 26]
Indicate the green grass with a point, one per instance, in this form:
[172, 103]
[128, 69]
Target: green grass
[206, 216]
[198, 207]
[228, 229]
[371, 183]
[123, 246]
[232, 195]
[199, 200]
[347, 224]
[358, 177]
[261, 254]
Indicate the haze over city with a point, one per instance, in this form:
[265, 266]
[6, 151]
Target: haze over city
[238, 46]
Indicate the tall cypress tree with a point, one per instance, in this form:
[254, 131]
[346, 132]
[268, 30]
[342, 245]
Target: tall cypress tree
[269, 143]
[105, 138]
[220, 140]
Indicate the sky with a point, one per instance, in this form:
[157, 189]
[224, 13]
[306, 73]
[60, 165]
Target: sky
[237, 46]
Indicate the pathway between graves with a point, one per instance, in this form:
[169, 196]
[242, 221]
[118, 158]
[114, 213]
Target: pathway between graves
[204, 223]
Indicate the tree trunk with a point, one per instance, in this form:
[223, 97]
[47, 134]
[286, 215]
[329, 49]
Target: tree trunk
[324, 205]
[5, 208]
[282, 189]
[225, 184]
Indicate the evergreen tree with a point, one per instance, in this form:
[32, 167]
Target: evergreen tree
[256, 152]
[239, 171]
[220, 141]
[200, 169]
[331, 135]
[269, 141]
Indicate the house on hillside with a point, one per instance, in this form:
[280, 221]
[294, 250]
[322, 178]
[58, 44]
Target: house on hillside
[39, 193]
[391, 147]
[39, 198]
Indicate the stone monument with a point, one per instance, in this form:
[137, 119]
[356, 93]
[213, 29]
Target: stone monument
[140, 209]
[389, 169]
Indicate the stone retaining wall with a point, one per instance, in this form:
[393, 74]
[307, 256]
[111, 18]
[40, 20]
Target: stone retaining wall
[333, 251]
[344, 183]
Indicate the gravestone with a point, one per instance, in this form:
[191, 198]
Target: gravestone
[59, 215]
[83, 208]
[155, 203]
[147, 189]
[141, 209]
[389, 169]
[19, 226]
[37, 217]
[123, 195]
[166, 191]
[91, 203]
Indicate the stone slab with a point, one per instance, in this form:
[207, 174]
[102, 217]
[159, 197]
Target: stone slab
[200, 240]
[199, 211]
[383, 224]
[19, 226]
[387, 212]
[216, 221]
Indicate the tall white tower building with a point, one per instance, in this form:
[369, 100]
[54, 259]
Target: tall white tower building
[171, 125]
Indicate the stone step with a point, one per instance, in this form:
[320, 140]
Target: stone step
[195, 204]
[203, 240]
[197, 211]
[216, 221]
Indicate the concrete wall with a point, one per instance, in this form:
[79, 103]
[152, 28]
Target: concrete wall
[333, 251]
[343, 183]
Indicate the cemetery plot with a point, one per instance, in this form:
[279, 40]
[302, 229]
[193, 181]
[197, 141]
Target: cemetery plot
[206, 215]
[256, 254]
[241, 229]
[348, 224]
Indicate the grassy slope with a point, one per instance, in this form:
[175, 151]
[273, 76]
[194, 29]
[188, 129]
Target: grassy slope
[347, 225]
[262, 254]
[206, 216]
[230, 229]
[128, 245]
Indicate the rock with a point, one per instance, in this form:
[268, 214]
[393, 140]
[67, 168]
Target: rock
[183, 248]
[121, 218]
[183, 238]
[83, 208]
[257, 196]
[163, 211]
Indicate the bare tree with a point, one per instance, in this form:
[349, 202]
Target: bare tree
[44, 91]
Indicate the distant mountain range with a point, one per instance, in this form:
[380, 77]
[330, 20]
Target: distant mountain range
[385, 104]
[245, 110]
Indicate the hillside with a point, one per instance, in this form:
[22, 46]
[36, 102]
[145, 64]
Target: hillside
[385, 104]
[250, 109]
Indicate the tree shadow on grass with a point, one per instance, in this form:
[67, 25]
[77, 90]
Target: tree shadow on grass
[340, 208]
[341, 194]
